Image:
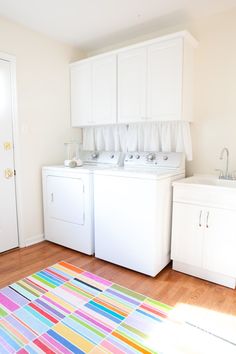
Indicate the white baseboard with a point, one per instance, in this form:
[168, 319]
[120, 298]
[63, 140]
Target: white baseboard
[217, 278]
[35, 239]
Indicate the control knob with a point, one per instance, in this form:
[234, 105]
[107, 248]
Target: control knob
[165, 158]
[130, 156]
[94, 155]
[150, 157]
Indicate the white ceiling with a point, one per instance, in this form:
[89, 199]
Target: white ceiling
[92, 24]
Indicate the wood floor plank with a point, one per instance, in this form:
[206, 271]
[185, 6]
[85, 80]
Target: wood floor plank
[169, 286]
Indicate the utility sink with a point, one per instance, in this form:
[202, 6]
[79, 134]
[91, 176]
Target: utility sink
[207, 191]
[203, 228]
[209, 180]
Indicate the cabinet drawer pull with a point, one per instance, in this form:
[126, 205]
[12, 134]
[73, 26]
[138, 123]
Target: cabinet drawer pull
[200, 219]
[207, 218]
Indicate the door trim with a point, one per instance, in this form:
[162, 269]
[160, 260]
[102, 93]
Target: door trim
[15, 131]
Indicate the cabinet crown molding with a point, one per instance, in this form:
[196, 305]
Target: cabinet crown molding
[181, 34]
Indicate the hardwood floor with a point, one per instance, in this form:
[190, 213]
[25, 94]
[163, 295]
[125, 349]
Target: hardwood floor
[169, 286]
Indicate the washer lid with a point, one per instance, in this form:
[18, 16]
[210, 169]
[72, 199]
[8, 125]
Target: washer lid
[139, 173]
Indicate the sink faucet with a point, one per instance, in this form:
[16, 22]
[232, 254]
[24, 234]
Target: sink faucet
[226, 174]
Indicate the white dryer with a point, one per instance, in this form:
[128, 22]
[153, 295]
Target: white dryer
[132, 210]
[68, 200]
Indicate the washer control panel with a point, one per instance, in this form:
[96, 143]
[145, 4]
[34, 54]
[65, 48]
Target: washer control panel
[102, 157]
[154, 159]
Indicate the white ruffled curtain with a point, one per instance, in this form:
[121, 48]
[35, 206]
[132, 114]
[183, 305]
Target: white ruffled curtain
[106, 138]
[156, 136]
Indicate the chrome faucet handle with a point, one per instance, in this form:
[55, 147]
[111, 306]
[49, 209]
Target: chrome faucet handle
[221, 172]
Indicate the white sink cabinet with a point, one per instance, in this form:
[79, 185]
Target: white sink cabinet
[204, 229]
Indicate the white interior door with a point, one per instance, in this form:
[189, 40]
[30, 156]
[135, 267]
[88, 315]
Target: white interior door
[8, 216]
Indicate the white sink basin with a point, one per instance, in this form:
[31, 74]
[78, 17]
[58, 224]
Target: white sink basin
[209, 181]
[207, 190]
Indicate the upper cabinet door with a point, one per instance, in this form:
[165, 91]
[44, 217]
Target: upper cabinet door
[132, 72]
[104, 79]
[165, 72]
[81, 94]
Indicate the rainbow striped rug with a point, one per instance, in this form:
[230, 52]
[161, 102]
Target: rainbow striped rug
[64, 309]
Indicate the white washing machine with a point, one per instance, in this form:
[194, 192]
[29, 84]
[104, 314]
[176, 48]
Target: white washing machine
[68, 200]
[132, 210]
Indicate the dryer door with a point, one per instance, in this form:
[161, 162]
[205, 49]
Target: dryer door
[65, 199]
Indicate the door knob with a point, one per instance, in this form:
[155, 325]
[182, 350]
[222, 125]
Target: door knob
[8, 173]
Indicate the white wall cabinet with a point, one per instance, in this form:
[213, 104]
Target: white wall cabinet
[93, 92]
[203, 241]
[81, 94]
[150, 81]
[164, 80]
[104, 90]
[132, 75]
[155, 82]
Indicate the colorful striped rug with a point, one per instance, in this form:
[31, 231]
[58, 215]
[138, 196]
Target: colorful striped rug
[64, 309]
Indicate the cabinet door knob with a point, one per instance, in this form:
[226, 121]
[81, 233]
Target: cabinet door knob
[207, 218]
[200, 219]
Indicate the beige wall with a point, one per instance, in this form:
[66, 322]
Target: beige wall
[43, 114]
[215, 89]
[215, 104]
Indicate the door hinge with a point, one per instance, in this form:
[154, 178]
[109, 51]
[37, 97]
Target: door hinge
[14, 172]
